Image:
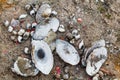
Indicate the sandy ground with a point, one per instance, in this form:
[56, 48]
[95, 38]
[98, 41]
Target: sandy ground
[99, 21]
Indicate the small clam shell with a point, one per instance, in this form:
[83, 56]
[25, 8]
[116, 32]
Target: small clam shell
[6, 23]
[23, 67]
[26, 50]
[10, 29]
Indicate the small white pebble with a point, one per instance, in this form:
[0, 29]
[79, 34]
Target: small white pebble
[77, 37]
[10, 29]
[26, 35]
[32, 12]
[6, 23]
[31, 33]
[26, 50]
[22, 16]
[12, 37]
[96, 77]
[72, 41]
[21, 32]
[81, 44]
[19, 39]
[61, 28]
[66, 76]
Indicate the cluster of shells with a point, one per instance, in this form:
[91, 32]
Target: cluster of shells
[44, 42]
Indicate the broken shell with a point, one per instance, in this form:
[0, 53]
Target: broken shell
[22, 16]
[21, 32]
[42, 56]
[34, 24]
[6, 23]
[41, 31]
[77, 36]
[61, 28]
[23, 67]
[10, 29]
[20, 38]
[95, 60]
[43, 12]
[32, 12]
[74, 32]
[81, 44]
[26, 50]
[26, 35]
[67, 52]
[50, 37]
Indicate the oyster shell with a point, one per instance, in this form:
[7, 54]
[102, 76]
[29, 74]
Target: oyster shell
[41, 31]
[67, 52]
[42, 56]
[96, 60]
[23, 67]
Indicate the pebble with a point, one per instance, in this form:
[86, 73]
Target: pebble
[10, 29]
[101, 73]
[26, 35]
[12, 38]
[47, 12]
[79, 20]
[66, 76]
[6, 23]
[96, 77]
[27, 7]
[9, 2]
[61, 28]
[32, 12]
[54, 13]
[28, 26]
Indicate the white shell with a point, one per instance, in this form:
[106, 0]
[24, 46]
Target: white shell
[96, 60]
[81, 44]
[6, 23]
[67, 52]
[26, 35]
[21, 32]
[61, 28]
[41, 31]
[20, 39]
[26, 50]
[32, 12]
[28, 69]
[44, 9]
[45, 64]
[77, 36]
[28, 26]
[27, 7]
[10, 29]
[22, 16]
